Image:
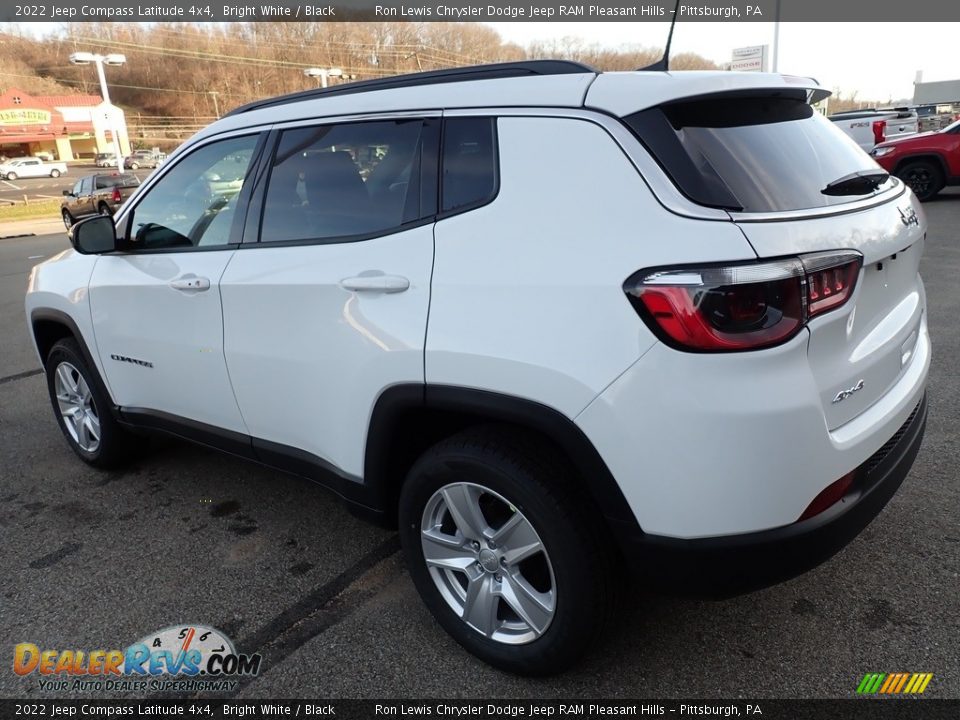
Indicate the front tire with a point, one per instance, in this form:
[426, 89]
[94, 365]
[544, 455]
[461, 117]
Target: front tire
[83, 409]
[11, 176]
[134, 166]
[506, 554]
[924, 177]
[68, 220]
[54, 173]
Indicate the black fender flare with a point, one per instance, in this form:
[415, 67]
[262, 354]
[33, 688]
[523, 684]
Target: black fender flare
[490, 406]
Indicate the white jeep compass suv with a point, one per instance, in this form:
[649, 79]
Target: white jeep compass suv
[549, 322]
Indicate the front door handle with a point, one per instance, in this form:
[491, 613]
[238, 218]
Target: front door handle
[376, 283]
[191, 282]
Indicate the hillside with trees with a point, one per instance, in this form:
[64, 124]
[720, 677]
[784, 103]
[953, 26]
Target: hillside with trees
[195, 70]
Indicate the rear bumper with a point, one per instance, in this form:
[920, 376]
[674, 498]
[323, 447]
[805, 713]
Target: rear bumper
[735, 564]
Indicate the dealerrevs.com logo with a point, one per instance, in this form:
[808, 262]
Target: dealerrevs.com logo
[180, 658]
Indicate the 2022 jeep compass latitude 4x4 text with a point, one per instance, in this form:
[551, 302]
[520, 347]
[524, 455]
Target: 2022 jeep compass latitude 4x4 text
[555, 325]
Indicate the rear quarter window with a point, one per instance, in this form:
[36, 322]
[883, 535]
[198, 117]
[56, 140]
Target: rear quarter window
[751, 154]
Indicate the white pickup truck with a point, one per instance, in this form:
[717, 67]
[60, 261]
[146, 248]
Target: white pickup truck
[871, 127]
[27, 167]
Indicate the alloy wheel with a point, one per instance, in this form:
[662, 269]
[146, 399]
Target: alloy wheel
[75, 402]
[489, 563]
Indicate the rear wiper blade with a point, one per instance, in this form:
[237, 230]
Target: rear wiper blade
[861, 182]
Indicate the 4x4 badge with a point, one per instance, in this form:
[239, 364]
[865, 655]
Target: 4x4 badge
[908, 216]
[844, 394]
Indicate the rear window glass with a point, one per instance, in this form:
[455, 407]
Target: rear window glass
[752, 154]
[109, 181]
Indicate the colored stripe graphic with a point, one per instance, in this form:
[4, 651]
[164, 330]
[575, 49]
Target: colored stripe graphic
[894, 683]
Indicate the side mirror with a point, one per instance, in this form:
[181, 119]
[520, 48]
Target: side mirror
[94, 236]
[67, 193]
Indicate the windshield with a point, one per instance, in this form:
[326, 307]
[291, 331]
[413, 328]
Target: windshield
[754, 154]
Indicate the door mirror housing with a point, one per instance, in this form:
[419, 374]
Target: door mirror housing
[67, 193]
[94, 236]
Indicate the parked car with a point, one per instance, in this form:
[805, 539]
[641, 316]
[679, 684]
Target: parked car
[29, 167]
[869, 127]
[98, 194]
[106, 160]
[712, 372]
[927, 162]
[143, 159]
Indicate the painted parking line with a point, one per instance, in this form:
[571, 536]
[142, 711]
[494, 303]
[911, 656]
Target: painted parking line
[10, 184]
[35, 257]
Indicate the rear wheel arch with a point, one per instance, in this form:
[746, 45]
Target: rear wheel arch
[409, 419]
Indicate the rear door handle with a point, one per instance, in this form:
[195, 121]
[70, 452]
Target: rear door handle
[191, 282]
[376, 283]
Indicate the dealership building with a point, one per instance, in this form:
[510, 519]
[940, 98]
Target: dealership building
[65, 127]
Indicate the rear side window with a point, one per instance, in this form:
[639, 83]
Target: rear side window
[752, 154]
[469, 163]
[345, 181]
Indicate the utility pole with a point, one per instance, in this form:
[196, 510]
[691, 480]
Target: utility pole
[216, 105]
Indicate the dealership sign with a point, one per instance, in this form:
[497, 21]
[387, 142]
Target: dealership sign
[750, 59]
[24, 117]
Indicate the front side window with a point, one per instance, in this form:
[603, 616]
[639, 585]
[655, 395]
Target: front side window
[343, 181]
[86, 186]
[194, 204]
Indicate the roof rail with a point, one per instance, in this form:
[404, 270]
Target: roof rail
[432, 77]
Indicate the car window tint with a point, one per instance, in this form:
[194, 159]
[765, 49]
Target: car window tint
[86, 185]
[340, 181]
[469, 162]
[193, 204]
[109, 181]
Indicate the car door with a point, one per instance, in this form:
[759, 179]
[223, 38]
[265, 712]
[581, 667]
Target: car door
[328, 306]
[156, 305]
[84, 199]
[72, 201]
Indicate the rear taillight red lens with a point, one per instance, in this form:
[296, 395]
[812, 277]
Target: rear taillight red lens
[742, 307]
[116, 195]
[879, 131]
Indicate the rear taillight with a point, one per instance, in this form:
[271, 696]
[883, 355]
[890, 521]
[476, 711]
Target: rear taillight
[116, 195]
[744, 306]
[879, 131]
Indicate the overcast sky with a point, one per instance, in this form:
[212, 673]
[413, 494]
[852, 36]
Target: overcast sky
[879, 60]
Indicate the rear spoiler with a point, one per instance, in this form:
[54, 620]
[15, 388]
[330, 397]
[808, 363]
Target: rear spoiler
[624, 93]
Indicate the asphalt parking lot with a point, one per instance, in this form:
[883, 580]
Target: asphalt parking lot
[98, 560]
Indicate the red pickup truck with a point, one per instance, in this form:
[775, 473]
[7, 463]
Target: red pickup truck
[927, 162]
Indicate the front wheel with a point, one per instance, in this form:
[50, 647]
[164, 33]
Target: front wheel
[509, 558]
[134, 166]
[67, 218]
[11, 176]
[83, 409]
[924, 177]
[54, 173]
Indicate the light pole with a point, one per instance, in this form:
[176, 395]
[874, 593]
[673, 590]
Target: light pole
[322, 74]
[114, 60]
[216, 105]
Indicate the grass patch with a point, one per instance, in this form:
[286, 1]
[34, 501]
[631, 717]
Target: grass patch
[36, 209]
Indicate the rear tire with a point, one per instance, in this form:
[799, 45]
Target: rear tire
[134, 166]
[54, 173]
[924, 177]
[84, 410]
[104, 209]
[511, 560]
